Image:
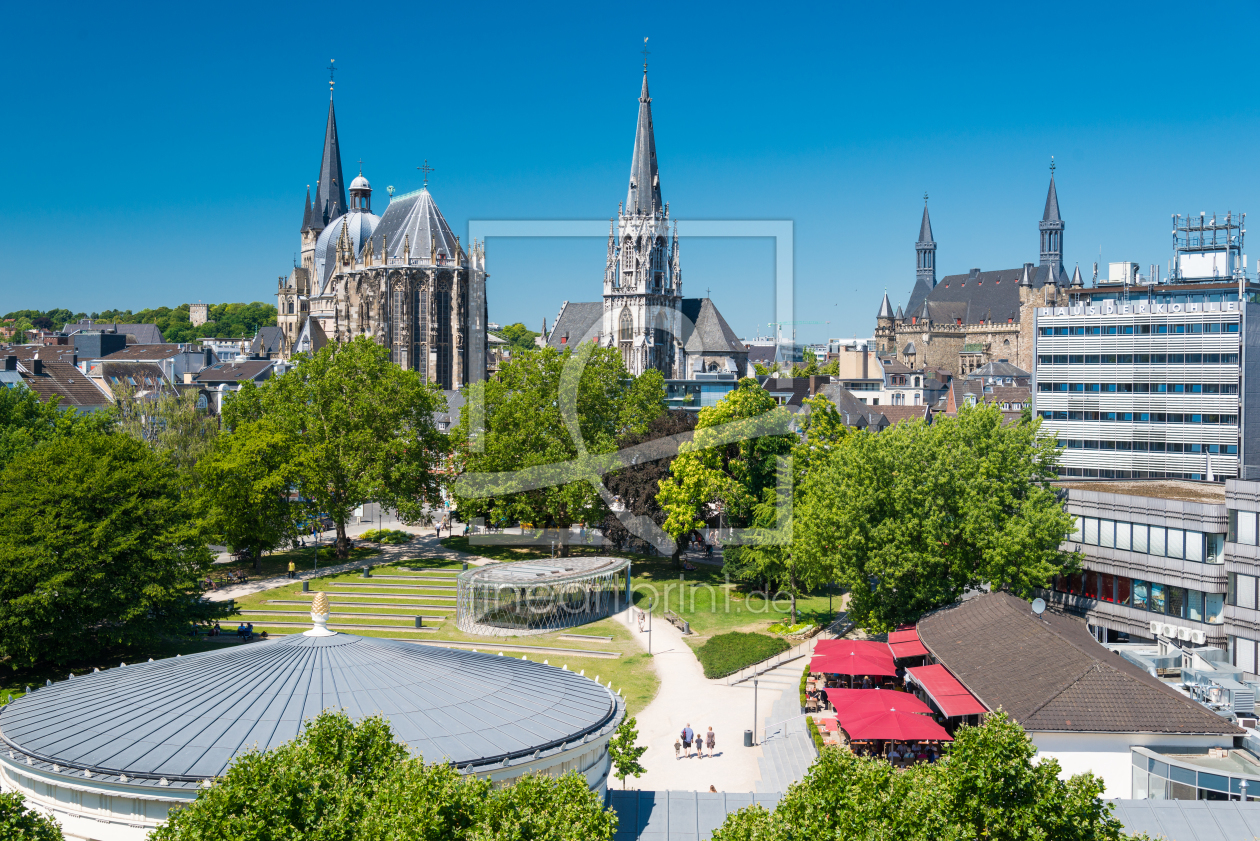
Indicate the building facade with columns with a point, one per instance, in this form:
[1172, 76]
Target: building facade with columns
[402, 278]
[962, 322]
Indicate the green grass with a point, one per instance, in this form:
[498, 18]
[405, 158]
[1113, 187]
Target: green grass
[726, 654]
[785, 628]
[277, 563]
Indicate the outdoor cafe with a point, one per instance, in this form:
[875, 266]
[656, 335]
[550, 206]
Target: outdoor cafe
[872, 699]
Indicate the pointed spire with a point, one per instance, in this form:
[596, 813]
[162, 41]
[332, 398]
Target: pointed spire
[885, 307]
[1026, 278]
[306, 209]
[1052, 200]
[925, 227]
[330, 193]
[1077, 281]
[644, 195]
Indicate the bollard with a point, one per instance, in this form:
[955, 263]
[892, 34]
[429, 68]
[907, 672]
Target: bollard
[419, 621]
[365, 572]
[748, 738]
[465, 565]
[306, 586]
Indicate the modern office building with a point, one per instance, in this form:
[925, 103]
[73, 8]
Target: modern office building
[1153, 380]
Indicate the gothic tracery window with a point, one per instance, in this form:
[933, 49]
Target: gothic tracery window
[627, 326]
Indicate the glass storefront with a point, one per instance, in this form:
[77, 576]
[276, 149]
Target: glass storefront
[1157, 780]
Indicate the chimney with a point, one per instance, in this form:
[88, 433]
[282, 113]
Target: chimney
[37, 366]
[10, 363]
[188, 377]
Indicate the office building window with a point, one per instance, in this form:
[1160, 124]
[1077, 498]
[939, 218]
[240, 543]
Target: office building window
[1242, 527]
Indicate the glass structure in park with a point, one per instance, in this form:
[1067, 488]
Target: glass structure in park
[535, 597]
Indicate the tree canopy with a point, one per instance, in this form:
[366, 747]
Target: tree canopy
[98, 549]
[18, 823]
[528, 465]
[26, 421]
[345, 781]
[363, 430]
[986, 788]
[519, 336]
[637, 484]
[910, 517]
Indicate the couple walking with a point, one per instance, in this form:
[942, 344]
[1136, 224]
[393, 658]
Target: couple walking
[682, 747]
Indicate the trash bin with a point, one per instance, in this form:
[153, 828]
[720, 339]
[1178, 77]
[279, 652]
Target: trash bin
[366, 572]
[306, 586]
[419, 621]
[748, 738]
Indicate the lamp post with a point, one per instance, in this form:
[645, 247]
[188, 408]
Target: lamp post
[651, 601]
[754, 711]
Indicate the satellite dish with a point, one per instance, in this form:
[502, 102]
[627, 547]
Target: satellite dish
[1039, 606]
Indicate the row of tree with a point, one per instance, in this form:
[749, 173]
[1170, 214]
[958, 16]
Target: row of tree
[225, 321]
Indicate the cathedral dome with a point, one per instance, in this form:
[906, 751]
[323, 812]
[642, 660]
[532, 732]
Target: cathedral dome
[360, 183]
[359, 226]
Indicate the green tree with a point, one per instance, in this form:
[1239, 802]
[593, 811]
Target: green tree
[636, 484]
[98, 549]
[26, 421]
[171, 424]
[246, 480]
[527, 440]
[364, 430]
[18, 823]
[912, 516]
[986, 788]
[346, 781]
[624, 751]
[519, 336]
[710, 473]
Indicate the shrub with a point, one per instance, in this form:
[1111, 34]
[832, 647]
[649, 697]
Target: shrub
[804, 683]
[726, 654]
[814, 734]
[391, 537]
[18, 823]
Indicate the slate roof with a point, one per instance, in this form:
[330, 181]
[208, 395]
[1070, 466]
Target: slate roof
[896, 414]
[358, 226]
[644, 192]
[706, 331]
[48, 353]
[143, 353]
[885, 308]
[1051, 213]
[998, 369]
[144, 377]
[925, 227]
[978, 296]
[413, 220]
[234, 372]
[1188, 820]
[185, 718]
[267, 342]
[681, 815]
[330, 192]
[62, 380]
[577, 322]
[917, 296]
[853, 412]
[761, 354]
[145, 334]
[1049, 673]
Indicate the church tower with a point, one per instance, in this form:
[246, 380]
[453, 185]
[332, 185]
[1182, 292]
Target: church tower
[925, 248]
[1051, 227]
[642, 279]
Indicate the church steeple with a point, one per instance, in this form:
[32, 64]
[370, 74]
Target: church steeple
[925, 249]
[644, 195]
[306, 210]
[1051, 228]
[330, 193]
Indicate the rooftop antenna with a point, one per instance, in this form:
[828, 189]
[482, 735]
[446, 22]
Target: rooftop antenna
[1039, 607]
[645, 54]
[426, 169]
[332, 68]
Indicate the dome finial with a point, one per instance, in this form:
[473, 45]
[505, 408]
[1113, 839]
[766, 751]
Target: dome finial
[319, 616]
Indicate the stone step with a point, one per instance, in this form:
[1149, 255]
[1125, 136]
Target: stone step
[399, 629]
[369, 604]
[371, 583]
[298, 615]
[381, 595]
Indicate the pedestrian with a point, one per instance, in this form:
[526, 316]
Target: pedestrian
[712, 789]
[292, 569]
[710, 741]
[677, 748]
[688, 735]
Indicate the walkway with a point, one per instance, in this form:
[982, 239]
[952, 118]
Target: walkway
[788, 749]
[687, 697]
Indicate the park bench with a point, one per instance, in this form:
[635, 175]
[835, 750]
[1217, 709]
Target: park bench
[677, 621]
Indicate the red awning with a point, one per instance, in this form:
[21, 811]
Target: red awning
[896, 725]
[859, 703]
[852, 657]
[946, 692]
[910, 648]
[903, 636]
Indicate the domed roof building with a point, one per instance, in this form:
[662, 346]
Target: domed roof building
[109, 753]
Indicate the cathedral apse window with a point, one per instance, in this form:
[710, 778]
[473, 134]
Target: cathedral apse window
[627, 326]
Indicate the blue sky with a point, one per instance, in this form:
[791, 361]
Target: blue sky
[160, 152]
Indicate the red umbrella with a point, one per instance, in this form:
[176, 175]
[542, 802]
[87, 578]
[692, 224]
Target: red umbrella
[870, 647]
[896, 725]
[859, 703]
[853, 657]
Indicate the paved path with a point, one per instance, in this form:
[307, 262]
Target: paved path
[787, 748]
[687, 697]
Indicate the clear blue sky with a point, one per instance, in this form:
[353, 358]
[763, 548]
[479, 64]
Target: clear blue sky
[159, 153]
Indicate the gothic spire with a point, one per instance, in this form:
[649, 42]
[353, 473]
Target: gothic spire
[330, 193]
[885, 307]
[644, 195]
[925, 253]
[1052, 203]
[306, 209]
[1051, 228]
[925, 227]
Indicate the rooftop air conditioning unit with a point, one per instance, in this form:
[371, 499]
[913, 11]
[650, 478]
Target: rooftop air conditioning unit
[1183, 633]
[1167, 630]
[1198, 637]
[1155, 628]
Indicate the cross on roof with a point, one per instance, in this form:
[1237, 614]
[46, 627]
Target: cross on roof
[1052, 164]
[360, 166]
[426, 169]
[331, 70]
[645, 54]
[925, 196]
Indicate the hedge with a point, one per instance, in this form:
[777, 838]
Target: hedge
[726, 654]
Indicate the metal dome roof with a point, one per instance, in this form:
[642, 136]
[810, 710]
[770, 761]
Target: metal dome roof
[359, 225]
[360, 183]
[184, 719]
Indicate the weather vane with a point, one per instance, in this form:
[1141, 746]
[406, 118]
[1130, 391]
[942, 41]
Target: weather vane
[645, 54]
[925, 197]
[1052, 164]
[426, 169]
[331, 70]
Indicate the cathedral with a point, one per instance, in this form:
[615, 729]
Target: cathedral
[963, 322]
[402, 278]
[643, 313]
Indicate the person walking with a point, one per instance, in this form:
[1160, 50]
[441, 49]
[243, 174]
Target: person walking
[710, 741]
[688, 735]
[292, 569]
[677, 748]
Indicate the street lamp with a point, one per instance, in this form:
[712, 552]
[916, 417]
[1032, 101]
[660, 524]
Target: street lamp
[754, 728]
[651, 601]
[1243, 786]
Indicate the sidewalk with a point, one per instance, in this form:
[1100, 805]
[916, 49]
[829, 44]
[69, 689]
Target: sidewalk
[687, 697]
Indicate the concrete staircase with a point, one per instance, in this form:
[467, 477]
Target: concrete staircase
[787, 748]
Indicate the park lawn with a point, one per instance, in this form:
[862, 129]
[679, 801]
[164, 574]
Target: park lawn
[714, 605]
[277, 563]
[507, 553]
